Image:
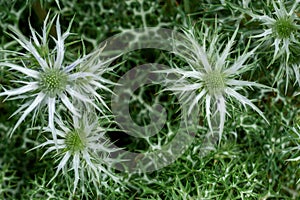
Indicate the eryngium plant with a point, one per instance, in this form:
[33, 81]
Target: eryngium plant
[281, 31]
[49, 81]
[211, 76]
[82, 151]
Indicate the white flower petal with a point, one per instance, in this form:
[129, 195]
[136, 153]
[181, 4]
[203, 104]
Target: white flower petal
[264, 34]
[294, 159]
[76, 162]
[244, 101]
[204, 60]
[186, 87]
[24, 70]
[59, 46]
[241, 83]
[74, 64]
[82, 98]
[297, 73]
[92, 91]
[196, 100]
[21, 108]
[87, 158]
[68, 104]
[29, 47]
[221, 107]
[62, 126]
[100, 86]
[208, 113]
[40, 97]
[27, 88]
[280, 12]
[78, 75]
[276, 44]
[292, 11]
[264, 18]
[42, 145]
[54, 148]
[51, 111]
[61, 164]
[286, 43]
[33, 33]
[239, 63]
[221, 60]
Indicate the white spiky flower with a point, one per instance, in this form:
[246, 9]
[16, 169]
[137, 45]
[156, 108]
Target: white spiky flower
[281, 27]
[210, 78]
[82, 151]
[282, 32]
[49, 81]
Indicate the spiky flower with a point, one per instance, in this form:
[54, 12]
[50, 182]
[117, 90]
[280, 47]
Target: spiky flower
[210, 78]
[81, 148]
[49, 81]
[281, 27]
[282, 32]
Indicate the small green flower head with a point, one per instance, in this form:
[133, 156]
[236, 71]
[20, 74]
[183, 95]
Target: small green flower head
[76, 141]
[53, 82]
[284, 27]
[214, 82]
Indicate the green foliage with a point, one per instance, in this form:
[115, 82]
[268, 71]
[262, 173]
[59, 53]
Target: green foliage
[254, 160]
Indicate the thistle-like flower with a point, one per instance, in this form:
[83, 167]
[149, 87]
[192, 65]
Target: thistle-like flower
[281, 27]
[49, 81]
[210, 75]
[83, 148]
[282, 32]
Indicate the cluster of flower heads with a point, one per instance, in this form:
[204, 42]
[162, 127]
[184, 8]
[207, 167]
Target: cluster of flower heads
[211, 78]
[48, 83]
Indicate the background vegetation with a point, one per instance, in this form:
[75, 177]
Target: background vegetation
[251, 161]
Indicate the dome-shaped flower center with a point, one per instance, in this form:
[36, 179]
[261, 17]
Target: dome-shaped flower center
[53, 81]
[214, 82]
[75, 141]
[284, 27]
